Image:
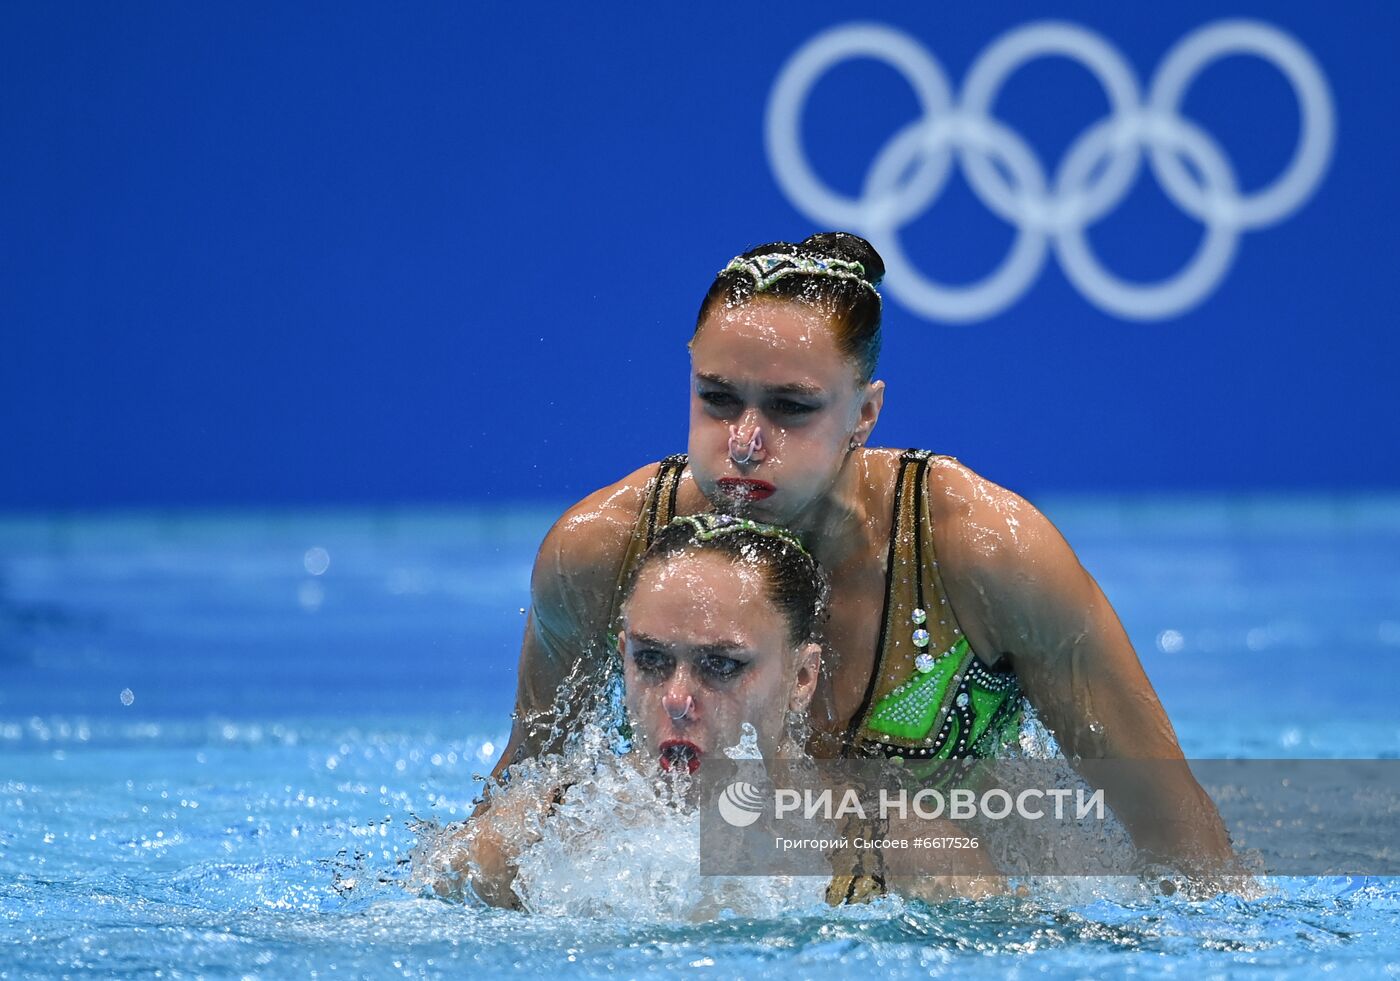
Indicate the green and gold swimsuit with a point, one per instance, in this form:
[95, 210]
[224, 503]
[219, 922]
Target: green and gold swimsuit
[930, 696]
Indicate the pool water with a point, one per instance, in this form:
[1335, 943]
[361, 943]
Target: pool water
[219, 731]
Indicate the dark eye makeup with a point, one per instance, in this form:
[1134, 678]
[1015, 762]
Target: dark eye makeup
[787, 407]
[721, 667]
[725, 401]
[713, 667]
[720, 400]
[652, 662]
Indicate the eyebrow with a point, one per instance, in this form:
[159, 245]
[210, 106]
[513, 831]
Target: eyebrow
[794, 388]
[720, 647]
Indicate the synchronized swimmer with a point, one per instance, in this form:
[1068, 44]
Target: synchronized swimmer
[953, 601]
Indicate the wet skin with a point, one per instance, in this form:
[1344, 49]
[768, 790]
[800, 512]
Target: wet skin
[1016, 587]
[704, 650]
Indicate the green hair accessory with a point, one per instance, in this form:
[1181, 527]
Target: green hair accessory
[765, 270]
[707, 527]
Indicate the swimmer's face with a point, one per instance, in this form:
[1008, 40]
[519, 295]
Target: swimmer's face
[774, 364]
[705, 650]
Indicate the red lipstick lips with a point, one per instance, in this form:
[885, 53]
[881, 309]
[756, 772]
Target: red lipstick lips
[745, 488]
[680, 752]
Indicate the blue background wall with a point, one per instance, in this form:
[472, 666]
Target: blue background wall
[348, 254]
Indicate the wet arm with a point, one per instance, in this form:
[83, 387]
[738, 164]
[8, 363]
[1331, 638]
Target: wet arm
[481, 857]
[551, 666]
[562, 659]
[1079, 670]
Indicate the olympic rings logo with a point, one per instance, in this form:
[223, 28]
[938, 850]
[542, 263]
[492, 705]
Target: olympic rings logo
[1096, 173]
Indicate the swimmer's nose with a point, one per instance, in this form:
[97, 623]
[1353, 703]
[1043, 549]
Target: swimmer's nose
[746, 441]
[678, 704]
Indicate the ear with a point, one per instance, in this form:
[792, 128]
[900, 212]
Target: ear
[622, 644]
[804, 683]
[871, 403]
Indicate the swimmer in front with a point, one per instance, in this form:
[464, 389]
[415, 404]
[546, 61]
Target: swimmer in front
[720, 627]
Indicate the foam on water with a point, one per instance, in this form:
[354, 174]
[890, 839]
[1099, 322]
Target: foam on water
[627, 846]
[619, 843]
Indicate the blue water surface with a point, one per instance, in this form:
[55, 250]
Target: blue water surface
[217, 732]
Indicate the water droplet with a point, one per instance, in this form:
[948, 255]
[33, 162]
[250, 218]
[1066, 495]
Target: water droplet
[127, 696]
[317, 560]
[747, 747]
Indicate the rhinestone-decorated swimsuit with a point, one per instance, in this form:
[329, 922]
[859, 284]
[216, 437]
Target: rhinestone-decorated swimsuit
[930, 696]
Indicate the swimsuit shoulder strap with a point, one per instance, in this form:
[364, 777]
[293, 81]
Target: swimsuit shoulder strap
[929, 695]
[900, 564]
[658, 508]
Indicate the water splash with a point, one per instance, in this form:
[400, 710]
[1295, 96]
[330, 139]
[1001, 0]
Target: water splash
[747, 746]
[596, 836]
[626, 845]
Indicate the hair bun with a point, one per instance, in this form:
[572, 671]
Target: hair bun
[852, 248]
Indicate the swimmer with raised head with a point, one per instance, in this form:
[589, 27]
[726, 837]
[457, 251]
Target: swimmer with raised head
[953, 599]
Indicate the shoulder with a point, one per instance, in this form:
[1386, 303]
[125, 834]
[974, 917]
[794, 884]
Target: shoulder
[581, 556]
[996, 548]
[601, 522]
[983, 521]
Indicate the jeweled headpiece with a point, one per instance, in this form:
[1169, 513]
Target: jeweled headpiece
[765, 270]
[707, 527]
